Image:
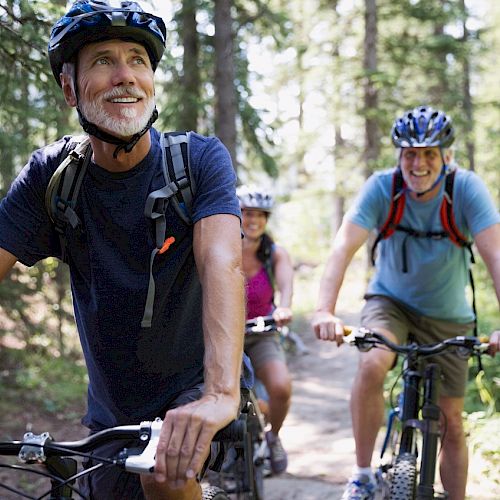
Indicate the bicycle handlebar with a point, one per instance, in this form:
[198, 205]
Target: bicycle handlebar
[36, 448]
[365, 339]
[261, 324]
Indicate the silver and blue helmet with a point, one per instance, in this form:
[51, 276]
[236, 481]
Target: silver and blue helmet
[90, 21]
[423, 127]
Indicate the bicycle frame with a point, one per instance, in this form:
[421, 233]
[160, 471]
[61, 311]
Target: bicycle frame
[242, 474]
[427, 423]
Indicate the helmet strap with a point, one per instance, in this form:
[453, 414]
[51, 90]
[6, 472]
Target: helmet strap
[126, 145]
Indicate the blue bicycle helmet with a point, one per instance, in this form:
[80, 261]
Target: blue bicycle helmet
[423, 127]
[90, 21]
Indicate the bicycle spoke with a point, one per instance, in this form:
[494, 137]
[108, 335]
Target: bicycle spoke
[67, 482]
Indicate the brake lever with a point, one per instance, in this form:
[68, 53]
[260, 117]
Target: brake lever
[144, 463]
[359, 337]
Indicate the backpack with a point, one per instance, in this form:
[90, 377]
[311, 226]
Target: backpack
[61, 195]
[451, 231]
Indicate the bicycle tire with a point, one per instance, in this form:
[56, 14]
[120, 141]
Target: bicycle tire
[258, 481]
[214, 493]
[404, 477]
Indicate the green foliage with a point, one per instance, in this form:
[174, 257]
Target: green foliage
[46, 382]
[253, 22]
[482, 431]
[30, 98]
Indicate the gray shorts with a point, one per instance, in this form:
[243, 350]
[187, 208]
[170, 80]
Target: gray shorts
[382, 312]
[262, 348]
[113, 483]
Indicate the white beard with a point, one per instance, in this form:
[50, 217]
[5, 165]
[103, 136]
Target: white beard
[129, 123]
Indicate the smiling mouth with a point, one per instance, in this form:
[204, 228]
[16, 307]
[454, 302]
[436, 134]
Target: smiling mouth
[422, 173]
[124, 100]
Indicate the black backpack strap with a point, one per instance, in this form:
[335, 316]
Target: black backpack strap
[177, 169]
[396, 210]
[62, 191]
[179, 190]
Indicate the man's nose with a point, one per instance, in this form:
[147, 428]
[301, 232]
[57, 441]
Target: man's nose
[419, 157]
[123, 74]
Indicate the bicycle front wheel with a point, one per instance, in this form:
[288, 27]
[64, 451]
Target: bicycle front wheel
[214, 493]
[404, 477]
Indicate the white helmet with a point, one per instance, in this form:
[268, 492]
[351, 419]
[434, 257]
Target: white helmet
[255, 199]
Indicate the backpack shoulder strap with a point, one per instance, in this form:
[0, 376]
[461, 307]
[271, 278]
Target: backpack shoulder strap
[177, 169]
[179, 190]
[396, 210]
[447, 215]
[456, 237]
[62, 190]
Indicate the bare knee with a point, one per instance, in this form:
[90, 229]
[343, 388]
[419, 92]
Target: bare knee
[281, 391]
[452, 428]
[372, 371]
[154, 490]
[277, 380]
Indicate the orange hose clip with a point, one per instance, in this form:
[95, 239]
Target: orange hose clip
[168, 242]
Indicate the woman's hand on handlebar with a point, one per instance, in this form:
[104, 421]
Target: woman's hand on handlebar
[328, 327]
[282, 316]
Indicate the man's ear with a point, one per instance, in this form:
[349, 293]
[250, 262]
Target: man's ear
[68, 89]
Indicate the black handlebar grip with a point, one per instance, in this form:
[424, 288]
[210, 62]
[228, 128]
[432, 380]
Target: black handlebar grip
[233, 432]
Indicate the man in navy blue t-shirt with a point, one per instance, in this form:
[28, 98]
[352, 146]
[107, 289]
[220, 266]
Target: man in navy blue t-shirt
[184, 363]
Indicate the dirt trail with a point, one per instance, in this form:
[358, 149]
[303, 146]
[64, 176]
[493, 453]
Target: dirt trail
[317, 432]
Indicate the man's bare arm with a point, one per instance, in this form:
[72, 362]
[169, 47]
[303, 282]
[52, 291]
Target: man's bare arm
[348, 240]
[188, 430]
[7, 261]
[488, 245]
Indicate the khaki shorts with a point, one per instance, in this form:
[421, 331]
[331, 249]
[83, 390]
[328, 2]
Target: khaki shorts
[263, 348]
[382, 312]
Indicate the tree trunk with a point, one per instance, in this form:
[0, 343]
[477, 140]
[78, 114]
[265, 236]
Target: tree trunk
[225, 96]
[468, 111]
[372, 147]
[190, 81]
[371, 150]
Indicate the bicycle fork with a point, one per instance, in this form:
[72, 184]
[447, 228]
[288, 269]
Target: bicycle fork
[430, 432]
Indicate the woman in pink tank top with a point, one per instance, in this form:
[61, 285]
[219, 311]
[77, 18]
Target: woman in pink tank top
[267, 266]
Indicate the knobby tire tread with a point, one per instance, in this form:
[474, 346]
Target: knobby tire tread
[214, 493]
[404, 477]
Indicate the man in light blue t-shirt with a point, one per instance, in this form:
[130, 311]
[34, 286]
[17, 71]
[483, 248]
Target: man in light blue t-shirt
[421, 274]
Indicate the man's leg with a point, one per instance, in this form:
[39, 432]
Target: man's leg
[367, 400]
[160, 491]
[453, 459]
